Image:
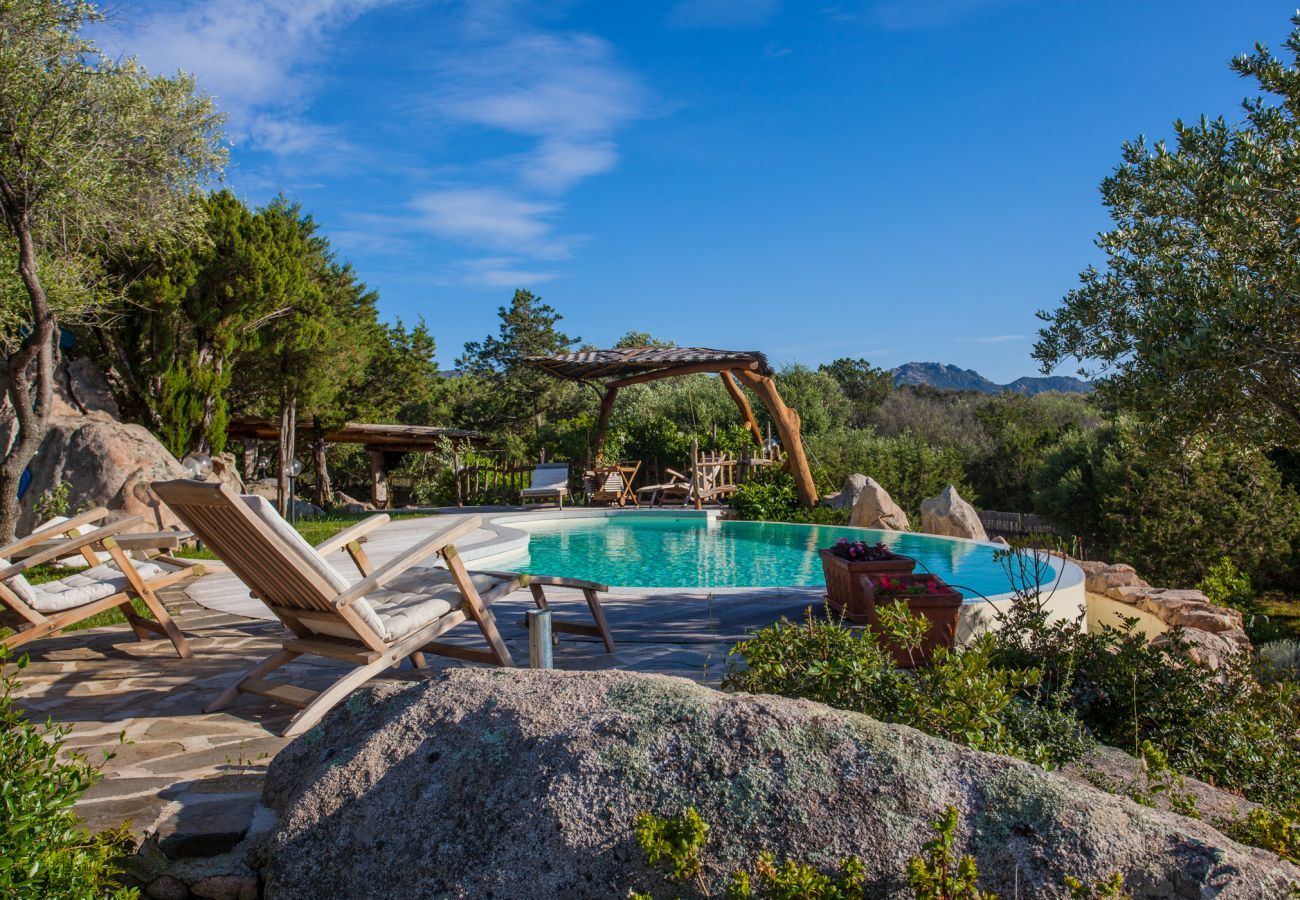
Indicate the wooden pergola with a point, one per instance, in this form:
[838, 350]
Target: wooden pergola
[610, 370]
[377, 439]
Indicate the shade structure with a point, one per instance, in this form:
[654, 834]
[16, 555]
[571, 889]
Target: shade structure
[620, 367]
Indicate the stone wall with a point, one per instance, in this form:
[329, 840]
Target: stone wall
[1214, 633]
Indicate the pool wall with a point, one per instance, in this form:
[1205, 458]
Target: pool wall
[1065, 600]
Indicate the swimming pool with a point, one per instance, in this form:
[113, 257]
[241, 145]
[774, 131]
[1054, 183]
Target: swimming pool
[659, 551]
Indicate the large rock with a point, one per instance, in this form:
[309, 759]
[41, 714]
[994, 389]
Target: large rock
[479, 783]
[874, 508]
[105, 463]
[81, 389]
[847, 496]
[951, 516]
[225, 468]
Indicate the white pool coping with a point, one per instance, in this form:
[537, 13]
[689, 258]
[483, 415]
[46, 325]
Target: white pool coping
[1066, 598]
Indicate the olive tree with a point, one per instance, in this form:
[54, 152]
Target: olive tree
[1194, 322]
[94, 153]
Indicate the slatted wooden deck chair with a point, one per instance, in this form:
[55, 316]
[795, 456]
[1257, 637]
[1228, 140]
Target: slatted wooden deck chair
[394, 612]
[678, 489]
[550, 481]
[39, 610]
[607, 485]
[712, 480]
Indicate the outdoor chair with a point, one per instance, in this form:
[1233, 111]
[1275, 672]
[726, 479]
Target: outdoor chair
[607, 485]
[40, 610]
[677, 489]
[709, 482]
[396, 611]
[550, 481]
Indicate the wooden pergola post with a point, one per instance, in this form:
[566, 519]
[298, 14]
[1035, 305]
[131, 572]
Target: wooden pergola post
[602, 427]
[787, 424]
[742, 402]
[378, 478]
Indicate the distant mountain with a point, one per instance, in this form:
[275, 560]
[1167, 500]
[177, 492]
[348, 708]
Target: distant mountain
[952, 378]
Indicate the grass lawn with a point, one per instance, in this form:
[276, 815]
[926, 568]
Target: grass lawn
[314, 530]
[1283, 611]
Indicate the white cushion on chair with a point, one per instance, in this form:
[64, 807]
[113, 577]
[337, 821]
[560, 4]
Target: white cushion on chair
[20, 585]
[85, 587]
[267, 512]
[420, 596]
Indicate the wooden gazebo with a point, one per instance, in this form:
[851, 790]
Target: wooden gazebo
[611, 370]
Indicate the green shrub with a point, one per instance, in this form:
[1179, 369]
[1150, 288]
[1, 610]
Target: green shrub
[768, 497]
[1280, 660]
[44, 851]
[962, 696]
[1228, 727]
[1276, 832]
[909, 466]
[939, 874]
[790, 880]
[1226, 585]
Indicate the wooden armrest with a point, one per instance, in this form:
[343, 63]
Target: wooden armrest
[676, 474]
[66, 547]
[394, 567]
[53, 531]
[351, 533]
[553, 580]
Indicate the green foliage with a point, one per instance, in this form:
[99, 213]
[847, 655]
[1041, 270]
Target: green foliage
[1192, 319]
[45, 851]
[1171, 517]
[790, 880]
[1271, 830]
[1226, 585]
[1228, 727]
[909, 465]
[962, 696]
[863, 385]
[676, 841]
[53, 502]
[1110, 889]
[769, 497]
[1280, 660]
[938, 874]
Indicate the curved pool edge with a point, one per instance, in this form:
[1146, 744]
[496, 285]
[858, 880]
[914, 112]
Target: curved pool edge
[1066, 600]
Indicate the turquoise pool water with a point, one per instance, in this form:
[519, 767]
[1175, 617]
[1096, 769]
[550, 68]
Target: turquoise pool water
[689, 552]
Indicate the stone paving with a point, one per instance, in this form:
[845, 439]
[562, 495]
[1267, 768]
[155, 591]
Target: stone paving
[189, 781]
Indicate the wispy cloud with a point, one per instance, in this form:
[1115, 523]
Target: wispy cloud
[501, 272]
[776, 51]
[992, 339]
[910, 15]
[491, 217]
[258, 58]
[723, 13]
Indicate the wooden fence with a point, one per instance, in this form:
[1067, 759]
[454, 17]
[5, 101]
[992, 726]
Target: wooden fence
[1015, 524]
[480, 483]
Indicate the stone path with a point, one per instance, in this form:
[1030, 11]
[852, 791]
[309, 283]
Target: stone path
[189, 781]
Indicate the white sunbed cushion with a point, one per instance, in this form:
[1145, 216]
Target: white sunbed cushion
[549, 480]
[419, 596]
[86, 587]
[267, 512]
[20, 585]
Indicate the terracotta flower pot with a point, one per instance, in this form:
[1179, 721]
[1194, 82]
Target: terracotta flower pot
[940, 607]
[844, 591]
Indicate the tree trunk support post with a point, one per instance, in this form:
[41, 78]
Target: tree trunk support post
[787, 424]
[742, 402]
[602, 428]
[378, 478]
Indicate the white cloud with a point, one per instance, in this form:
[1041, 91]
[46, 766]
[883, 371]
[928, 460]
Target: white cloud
[255, 57]
[501, 272]
[992, 339]
[487, 216]
[563, 90]
[723, 13]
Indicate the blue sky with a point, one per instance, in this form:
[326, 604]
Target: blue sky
[895, 179]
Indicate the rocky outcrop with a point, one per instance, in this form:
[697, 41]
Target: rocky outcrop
[951, 516]
[104, 462]
[345, 504]
[524, 783]
[847, 496]
[1211, 634]
[225, 468]
[874, 508]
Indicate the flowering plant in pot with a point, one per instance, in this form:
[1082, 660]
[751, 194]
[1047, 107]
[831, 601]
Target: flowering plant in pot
[846, 562]
[927, 598]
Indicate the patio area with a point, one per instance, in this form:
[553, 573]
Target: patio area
[190, 782]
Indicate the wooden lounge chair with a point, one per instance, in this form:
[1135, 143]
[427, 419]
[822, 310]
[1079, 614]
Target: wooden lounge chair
[550, 481]
[655, 494]
[395, 612]
[710, 482]
[607, 485]
[40, 610]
